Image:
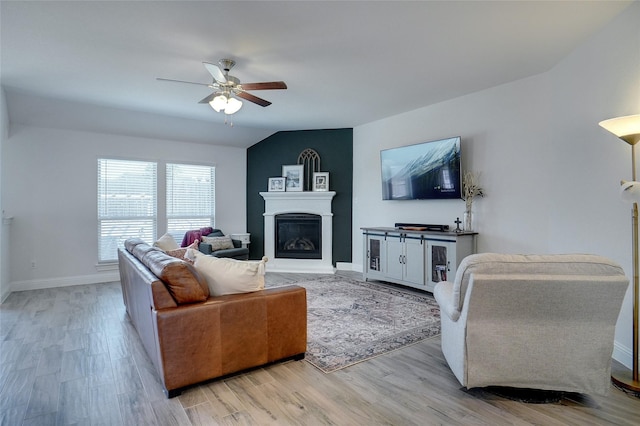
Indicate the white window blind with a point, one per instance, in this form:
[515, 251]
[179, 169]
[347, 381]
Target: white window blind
[190, 198]
[126, 204]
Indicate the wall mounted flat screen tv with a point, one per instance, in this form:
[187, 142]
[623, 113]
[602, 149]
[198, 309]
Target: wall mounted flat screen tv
[424, 171]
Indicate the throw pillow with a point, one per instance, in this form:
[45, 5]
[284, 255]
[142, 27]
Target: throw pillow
[218, 243]
[166, 242]
[229, 276]
[181, 253]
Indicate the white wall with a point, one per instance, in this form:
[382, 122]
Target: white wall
[551, 174]
[50, 184]
[5, 225]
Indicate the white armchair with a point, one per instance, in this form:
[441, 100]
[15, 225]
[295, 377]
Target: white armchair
[532, 321]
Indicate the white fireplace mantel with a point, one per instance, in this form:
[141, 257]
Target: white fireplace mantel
[311, 202]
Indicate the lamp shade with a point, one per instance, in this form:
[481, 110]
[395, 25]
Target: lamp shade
[219, 103]
[630, 191]
[233, 106]
[626, 128]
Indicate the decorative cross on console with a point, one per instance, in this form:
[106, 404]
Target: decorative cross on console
[458, 222]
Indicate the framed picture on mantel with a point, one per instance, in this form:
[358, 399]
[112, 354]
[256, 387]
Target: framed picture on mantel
[321, 181]
[276, 184]
[293, 174]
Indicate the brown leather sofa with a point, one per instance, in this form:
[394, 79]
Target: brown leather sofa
[191, 336]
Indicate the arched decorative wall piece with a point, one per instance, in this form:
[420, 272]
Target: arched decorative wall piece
[311, 161]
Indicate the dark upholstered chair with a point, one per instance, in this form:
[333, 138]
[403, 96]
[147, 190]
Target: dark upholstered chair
[237, 252]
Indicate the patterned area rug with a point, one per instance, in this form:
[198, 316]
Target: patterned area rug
[351, 321]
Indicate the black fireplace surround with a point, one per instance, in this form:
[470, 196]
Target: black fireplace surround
[298, 236]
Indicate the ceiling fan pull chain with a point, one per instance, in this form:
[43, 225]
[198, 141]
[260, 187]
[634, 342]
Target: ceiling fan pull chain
[228, 121]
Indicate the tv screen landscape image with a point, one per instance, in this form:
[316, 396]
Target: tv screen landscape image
[424, 171]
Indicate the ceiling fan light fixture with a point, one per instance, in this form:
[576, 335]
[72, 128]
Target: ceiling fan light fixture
[233, 106]
[226, 87]
[219, 103]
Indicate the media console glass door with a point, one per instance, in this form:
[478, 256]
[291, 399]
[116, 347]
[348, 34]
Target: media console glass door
[375, 252]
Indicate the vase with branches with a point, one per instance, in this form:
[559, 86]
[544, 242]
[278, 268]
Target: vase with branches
[470, 189]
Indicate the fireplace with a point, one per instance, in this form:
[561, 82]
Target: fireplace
[298, 231]
[298, 236]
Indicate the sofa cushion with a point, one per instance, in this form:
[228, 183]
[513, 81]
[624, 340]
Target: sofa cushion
[166, 242]
[140, 250]
[181, 279]
[130, 243]
[218, 243]
[241, 253]
[214, 233]
[230, 276]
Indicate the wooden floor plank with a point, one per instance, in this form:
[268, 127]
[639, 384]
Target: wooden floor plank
[70, 356]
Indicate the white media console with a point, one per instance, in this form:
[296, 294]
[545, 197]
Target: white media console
[414, 258]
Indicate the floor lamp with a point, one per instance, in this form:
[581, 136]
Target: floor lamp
[628, 129]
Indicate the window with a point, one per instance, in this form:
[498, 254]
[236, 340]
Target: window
[190, 198]
[446, 180]
[126, 204]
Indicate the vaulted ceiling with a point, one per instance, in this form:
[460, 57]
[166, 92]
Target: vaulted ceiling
[93, 65]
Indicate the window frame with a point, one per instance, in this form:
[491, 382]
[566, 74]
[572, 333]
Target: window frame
[160, 221]
[192, 221]
[121, 215]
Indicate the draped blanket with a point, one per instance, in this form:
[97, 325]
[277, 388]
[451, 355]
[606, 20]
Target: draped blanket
[195, 234]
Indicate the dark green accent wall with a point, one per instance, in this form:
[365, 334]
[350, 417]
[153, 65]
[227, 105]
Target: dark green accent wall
[266, 158]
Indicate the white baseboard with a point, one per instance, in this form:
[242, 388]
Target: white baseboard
[4, 296]
[63, 282]
[343, 266]
[622, 354]
[347, 266]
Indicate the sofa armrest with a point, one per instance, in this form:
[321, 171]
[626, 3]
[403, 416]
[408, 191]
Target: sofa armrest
[189, 341]
[443, 293]
[205, 248]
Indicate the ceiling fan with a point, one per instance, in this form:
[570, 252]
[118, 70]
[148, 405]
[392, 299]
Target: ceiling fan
[226, 86]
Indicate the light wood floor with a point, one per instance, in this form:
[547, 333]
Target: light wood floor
[70, 356]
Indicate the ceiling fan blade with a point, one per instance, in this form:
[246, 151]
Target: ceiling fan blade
[181, 81]
[251, 98]
[267, 85]
[208, 99]
[215, 72]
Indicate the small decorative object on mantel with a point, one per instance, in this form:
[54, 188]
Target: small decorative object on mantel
[310, 159]
[293, 175]
[470, 189]
[321, 181]
[277, 184]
